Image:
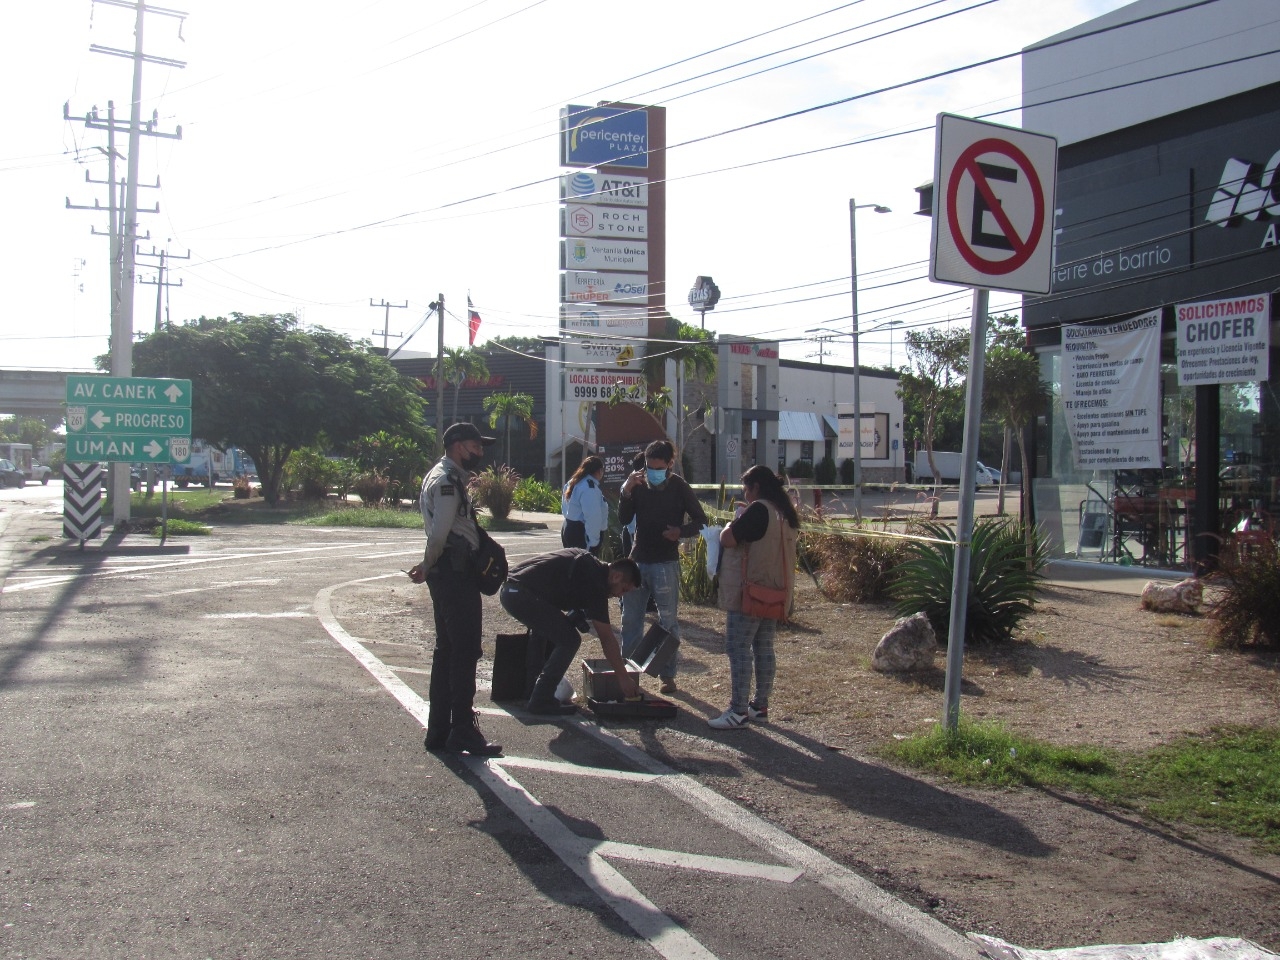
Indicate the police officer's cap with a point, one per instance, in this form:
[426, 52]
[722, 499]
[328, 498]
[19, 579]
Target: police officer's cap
[461, 432]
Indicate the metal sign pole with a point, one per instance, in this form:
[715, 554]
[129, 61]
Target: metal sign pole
[964, 513]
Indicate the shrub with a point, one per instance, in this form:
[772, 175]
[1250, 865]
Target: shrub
[800, 470]
[1002, 581]
[311, 473]
[494, 489]
[696, 585]
[825, 472]
[402, 460]
[536, 496]
[371, 488]
[856, 566]
[846, 471]
[1246, 607]
[240, 488]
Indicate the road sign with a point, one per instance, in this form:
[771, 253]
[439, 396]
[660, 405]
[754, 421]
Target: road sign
[127, 448]
[109, 418]
[993, 203]
[129, 391]
[128, 420]
[81, 500]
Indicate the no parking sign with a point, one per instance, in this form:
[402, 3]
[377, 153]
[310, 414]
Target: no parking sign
[993, 206]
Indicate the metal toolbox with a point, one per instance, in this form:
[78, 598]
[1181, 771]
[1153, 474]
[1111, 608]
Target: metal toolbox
[599, 682]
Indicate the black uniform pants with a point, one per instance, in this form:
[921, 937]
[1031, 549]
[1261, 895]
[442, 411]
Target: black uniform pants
[548, 624]
[455, 602]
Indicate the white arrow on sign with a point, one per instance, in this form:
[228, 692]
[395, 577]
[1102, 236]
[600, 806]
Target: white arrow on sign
[153, 449]
[100, 419]
[173, 393]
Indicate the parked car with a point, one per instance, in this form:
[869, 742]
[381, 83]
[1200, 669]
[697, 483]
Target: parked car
[11, 476]
[40, 471]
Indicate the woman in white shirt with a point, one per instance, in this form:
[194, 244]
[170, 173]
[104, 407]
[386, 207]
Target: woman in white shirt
[586, 514]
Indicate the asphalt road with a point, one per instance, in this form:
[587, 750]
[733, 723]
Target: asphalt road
[201, 760]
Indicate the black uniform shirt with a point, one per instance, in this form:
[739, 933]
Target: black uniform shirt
[570, 579]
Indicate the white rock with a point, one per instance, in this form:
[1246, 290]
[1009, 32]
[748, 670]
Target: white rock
[910, 644]
[1184, 597]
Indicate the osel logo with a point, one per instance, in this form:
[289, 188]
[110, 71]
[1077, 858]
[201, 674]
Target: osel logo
[179, 448]
[76, 417]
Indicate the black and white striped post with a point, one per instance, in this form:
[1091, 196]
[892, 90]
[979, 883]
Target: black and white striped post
[82, 501]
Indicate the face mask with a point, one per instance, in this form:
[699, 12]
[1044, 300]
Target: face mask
[656, 477]
[470, 463]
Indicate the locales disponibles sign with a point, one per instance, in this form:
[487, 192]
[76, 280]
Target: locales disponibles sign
[1111, 393]
[598, 384]
[1224, 341]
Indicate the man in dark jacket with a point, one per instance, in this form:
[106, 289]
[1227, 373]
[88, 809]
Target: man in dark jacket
[660, 502]
[539, 590]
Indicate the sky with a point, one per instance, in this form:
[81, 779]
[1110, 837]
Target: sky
[389, 151]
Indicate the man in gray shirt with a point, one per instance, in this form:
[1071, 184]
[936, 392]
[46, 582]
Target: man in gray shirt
[448, 568]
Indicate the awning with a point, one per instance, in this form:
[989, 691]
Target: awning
[800, 425]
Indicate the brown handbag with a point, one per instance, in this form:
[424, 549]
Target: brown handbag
[768, 603]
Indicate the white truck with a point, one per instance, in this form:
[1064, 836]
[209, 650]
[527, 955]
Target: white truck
[19, 454]
[948, 464]
[208, 465]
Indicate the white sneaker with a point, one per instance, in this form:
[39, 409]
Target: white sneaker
[728, 721]
[759, 716]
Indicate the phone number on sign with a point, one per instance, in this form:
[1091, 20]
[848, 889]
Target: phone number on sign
[596, 391]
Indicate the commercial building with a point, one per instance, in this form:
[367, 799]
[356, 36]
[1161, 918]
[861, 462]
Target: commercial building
[1168, 121]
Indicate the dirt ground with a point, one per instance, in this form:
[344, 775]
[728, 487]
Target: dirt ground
[1034, 867]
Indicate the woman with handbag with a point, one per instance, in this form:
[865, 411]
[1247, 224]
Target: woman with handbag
[586, 514]
[757, 582]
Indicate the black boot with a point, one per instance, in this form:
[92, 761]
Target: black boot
[437, 730]
[465, 737]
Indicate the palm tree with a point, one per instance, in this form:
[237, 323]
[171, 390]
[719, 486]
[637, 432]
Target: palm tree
[460, 365]
[505, 407]
[694, 355]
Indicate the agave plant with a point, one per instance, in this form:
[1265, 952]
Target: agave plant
[1002, 578]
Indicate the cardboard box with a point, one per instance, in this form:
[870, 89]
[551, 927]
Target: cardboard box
[599, 682]
[654, 651]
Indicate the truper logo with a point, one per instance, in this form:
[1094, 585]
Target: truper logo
[1246, 191]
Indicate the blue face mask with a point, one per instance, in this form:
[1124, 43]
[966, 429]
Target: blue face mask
[656, 477]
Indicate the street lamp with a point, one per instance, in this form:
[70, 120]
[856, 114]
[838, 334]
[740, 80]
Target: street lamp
[857, 388]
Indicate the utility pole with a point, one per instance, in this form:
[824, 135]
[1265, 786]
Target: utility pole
[386, 321]
[124, 229]
[160, 282]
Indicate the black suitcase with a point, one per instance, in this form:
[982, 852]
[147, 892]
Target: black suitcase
[650, 708]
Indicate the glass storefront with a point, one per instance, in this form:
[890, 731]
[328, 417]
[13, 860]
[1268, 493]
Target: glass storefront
[1144, 517]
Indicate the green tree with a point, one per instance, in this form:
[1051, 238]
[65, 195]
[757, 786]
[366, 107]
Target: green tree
[461, 365]
[505, 407]
[25, 430]
[269, 386]
[1012, 393]
[692, 350]
[932, 383]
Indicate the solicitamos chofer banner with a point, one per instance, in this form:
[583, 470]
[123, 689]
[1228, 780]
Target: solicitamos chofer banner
[1224, 341]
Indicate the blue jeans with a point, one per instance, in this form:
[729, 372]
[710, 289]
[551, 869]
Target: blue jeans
[662, 581]
[749, 643]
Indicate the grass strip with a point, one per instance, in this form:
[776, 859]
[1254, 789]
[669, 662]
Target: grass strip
[1227, 778]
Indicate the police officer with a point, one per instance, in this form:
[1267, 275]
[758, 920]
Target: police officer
[447, 568]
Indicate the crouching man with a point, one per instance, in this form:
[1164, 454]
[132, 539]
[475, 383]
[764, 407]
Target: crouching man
[540, 591]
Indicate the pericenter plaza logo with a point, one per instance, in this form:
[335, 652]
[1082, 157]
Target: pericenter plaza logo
[592, 136]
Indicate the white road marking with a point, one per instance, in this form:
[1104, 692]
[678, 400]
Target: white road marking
[580, 856]
[223, 585]
[277, 615]
[576, 769]
[698, 861]
[425, 673]
[667, 937]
